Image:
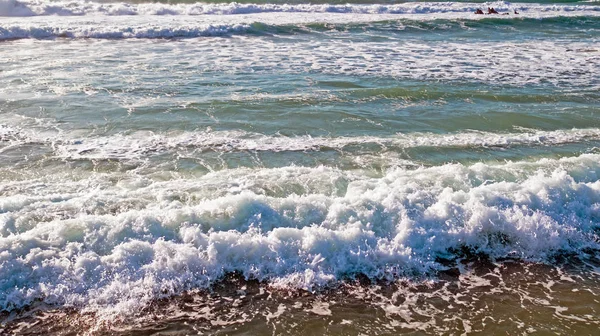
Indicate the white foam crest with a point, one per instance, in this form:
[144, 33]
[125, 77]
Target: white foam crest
[143, 144]
[115, 263]
[118, 32]
[78, 8]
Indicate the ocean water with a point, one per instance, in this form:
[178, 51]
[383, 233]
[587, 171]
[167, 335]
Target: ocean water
[294, 167]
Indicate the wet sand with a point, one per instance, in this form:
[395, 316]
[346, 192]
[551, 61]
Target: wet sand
[475, 296]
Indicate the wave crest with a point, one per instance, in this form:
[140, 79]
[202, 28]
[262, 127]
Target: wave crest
[78, 8]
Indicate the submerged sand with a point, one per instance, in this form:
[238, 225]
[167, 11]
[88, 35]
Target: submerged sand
[475, 296]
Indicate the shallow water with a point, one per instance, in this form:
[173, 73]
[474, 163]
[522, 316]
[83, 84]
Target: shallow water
[148, 150]
[478, 297]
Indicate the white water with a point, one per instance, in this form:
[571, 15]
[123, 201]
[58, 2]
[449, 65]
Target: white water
[111, 244]
[77, 8]
[560, 63]
[82, 19]
[144, 144]
[99, 211]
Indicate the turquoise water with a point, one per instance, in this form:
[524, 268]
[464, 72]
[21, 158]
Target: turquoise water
[150, 149]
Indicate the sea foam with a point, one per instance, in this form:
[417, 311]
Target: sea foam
[78, 8]
[398, 51]
[112, 245]
[142, 145]
[231, 18]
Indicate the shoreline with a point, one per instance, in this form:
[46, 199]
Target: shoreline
[461, 299]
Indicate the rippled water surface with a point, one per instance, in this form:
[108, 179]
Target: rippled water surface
[325, 168]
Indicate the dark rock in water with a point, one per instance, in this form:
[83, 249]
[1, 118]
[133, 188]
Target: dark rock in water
[363, 280]
[450, 274]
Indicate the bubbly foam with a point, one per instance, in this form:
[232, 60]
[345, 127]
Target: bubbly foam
[465, 301]
[113, 240]
[112, 32]
[561, 63]
[113, 244]
[101, 20]
[140, 145]
[78, 8]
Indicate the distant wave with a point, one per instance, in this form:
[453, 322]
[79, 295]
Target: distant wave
[78, 8]
[41, 32]
[47, 20]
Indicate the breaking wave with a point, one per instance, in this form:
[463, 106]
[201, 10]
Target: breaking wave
[77, 8]
[143, 144]
[113, 245]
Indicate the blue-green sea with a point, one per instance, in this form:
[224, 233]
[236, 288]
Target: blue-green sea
[299, 168]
